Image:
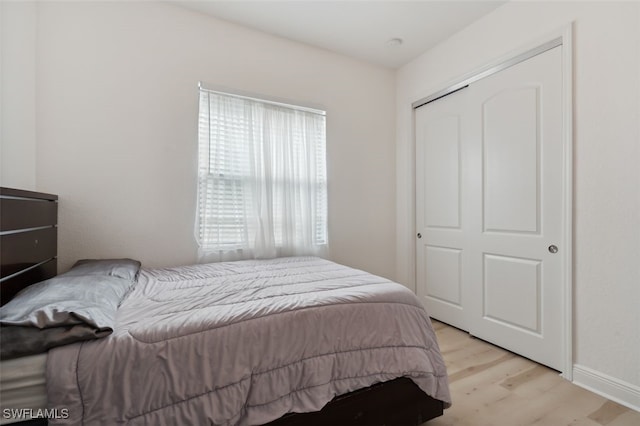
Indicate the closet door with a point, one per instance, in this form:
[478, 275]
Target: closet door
[489, 208]
[442, 219]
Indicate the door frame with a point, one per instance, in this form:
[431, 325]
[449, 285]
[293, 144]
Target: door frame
[561, 37]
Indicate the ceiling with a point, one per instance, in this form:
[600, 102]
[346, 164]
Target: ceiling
[360, 29]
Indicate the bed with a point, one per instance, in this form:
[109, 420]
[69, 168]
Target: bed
[287, 341]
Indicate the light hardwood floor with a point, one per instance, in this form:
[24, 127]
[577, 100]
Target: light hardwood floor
[492, 386]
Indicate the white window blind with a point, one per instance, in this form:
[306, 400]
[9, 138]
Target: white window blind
[262, 185]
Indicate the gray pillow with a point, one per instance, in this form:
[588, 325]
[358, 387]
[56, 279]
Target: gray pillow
[78, 305]
[122, 268]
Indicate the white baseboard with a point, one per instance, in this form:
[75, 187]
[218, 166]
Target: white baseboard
[611, 388]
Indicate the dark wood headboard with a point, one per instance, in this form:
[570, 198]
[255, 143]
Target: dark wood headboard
[28, 239]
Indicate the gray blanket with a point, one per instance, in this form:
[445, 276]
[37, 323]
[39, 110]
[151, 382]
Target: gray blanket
[244, 343]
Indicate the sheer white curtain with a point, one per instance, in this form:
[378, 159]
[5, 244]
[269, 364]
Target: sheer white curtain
[262, 186]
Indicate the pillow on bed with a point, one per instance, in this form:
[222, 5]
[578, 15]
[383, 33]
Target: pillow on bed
[78, 305]
[121, 268]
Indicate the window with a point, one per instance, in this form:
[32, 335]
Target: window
[262, 185]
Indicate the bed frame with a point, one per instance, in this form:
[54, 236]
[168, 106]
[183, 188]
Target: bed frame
[28, 232]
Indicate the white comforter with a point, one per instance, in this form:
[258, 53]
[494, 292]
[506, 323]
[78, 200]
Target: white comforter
[244, 343]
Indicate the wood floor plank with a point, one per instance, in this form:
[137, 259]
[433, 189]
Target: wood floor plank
[477, 368]
[493, 387]
[629, 418]
[525, 377]
[573, 409]
[607, 413]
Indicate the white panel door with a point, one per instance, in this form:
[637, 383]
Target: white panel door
[489, 207]
[439, 168]
[516, 279]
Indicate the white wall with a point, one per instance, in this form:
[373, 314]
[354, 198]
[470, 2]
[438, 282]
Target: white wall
[606, 158]
[117, 127]
[17, 95]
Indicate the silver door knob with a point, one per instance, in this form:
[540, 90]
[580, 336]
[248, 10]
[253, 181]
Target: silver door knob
[553, 249]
